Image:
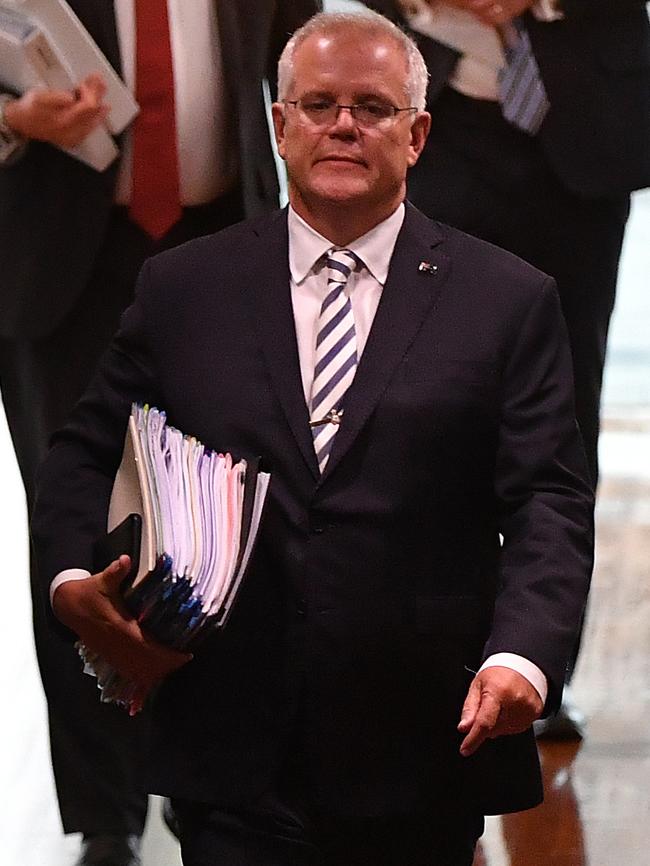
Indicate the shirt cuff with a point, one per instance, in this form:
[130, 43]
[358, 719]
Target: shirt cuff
[524, 667]
[64, 577]
[547, 10]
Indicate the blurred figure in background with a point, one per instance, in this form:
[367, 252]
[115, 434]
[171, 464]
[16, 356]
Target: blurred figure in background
[72, 240]
[551, 182]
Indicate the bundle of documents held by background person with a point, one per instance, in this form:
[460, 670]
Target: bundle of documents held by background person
[43, 44]
[199, 514]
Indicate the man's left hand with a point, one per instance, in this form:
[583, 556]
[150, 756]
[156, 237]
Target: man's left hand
[500, 701]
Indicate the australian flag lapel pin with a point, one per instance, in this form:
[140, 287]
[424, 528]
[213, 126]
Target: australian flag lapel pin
[427, 268]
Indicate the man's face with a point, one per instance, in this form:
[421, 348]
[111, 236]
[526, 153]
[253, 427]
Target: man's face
[344, 162]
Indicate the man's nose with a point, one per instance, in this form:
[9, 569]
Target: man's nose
[344, 123]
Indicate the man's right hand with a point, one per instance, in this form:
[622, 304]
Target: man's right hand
[93, 608]
[61, 117]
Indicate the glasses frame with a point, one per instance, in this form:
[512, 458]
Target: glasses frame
[395, 112]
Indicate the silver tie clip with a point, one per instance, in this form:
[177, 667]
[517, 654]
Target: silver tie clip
[333, 417]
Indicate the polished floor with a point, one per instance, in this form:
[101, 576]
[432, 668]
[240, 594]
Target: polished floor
[597, 809]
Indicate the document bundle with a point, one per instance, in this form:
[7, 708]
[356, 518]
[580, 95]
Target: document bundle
[43, 44]
[196, 514]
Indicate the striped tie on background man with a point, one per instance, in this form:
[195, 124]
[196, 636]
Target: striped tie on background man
[336, 354]
[521, 91]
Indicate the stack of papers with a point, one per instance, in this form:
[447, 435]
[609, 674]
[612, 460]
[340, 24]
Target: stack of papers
[200, 513]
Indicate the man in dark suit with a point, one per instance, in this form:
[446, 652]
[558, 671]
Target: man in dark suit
[558, 198]
[338, 718]
[70, 250]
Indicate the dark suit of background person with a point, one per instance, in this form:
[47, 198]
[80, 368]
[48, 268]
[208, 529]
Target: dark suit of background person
[377, 587]
[68, 261]
[559, 200]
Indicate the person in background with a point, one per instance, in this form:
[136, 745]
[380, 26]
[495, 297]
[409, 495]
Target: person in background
[410, 389]
[548, 179]
[197, 158]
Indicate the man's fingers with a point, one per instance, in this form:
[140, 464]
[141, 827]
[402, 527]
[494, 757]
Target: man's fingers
[470, 707]
[132, 653]
[111, 578]
[63, 118]
[507, 704]
[53, 99]
[95, 83]
[89, 94]
[82, 115]
[484, 724]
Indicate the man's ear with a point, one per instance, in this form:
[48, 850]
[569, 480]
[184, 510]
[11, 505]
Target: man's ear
[277, 113]
[419, 133]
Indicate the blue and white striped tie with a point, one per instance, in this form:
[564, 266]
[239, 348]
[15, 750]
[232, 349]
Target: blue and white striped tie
[336, 354]
[522, 95]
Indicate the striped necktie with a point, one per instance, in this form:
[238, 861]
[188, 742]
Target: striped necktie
[521, 91]
[336, 354]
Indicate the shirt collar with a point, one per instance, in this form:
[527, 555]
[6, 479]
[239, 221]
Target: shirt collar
[375, 248]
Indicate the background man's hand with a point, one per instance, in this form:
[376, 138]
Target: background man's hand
[491, 12]
[499, 701]
[93, 609]
[61, 117]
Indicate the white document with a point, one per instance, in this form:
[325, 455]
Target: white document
[80, 54]
[28, 59]
[132, 495]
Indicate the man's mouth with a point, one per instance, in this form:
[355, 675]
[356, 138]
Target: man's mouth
[341, 157]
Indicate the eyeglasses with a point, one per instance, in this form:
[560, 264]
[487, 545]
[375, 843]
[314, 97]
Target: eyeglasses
[325, 112]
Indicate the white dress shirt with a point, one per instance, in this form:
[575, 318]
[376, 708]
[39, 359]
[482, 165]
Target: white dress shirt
[206, 151]
[307, 249]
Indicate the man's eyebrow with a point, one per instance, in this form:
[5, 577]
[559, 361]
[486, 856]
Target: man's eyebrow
[319, 94]
[371, 96]
[357, 97]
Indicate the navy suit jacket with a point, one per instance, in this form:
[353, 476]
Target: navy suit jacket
[377, 588]
[54, 210]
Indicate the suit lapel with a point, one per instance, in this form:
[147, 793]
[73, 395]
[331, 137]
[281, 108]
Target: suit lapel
[277, 331]
[407, 298]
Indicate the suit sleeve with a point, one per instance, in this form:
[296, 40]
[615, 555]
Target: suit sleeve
[544, 498]
[75, 481]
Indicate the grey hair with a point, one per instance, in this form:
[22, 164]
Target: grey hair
[371, 23]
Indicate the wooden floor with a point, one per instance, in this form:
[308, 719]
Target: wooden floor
[597, 809]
